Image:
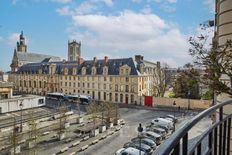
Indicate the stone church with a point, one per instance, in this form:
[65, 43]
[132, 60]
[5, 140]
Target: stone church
[21, 56]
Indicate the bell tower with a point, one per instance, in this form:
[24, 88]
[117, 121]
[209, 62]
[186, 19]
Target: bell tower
[74, 50]
[21, 45]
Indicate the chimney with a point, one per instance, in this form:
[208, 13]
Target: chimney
[158, 64]
[106, 60]
[138, 58]
[94, 61]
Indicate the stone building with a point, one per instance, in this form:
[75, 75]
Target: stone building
[5, 90]
[21, 56]
[124, 80]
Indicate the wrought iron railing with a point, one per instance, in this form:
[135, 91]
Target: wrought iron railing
[216, 138]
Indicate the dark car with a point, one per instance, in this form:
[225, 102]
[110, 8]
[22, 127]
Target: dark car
[146, 141]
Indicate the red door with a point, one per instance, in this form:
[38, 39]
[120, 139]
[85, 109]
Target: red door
[148, 101]
[126, 99]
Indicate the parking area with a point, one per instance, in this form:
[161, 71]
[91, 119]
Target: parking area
[132, 117]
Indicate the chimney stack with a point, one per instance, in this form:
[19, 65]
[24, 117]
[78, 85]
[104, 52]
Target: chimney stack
[94, 61]
[106, 60]
[138, 58]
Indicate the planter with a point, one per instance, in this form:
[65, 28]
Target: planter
[110, 125]
[102, 129]
[80, 120]
[116, 121]
[94, 132]
[66, 125]
[62, 136]
[17, 150]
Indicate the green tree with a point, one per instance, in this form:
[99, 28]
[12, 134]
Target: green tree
[186, 85]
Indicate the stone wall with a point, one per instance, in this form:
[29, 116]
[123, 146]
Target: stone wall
[182, 103]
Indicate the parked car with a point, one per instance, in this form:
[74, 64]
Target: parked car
[129, 151]
[153, 136]
[163, 122]
[142, 147]
[158, 130]
[146, 141]
[173, 118]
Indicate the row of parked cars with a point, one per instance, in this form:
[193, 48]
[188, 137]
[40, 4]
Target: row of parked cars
[146, 143]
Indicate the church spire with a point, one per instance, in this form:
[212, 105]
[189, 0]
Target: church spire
[21, 45]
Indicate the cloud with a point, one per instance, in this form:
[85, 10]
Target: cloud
[210, 4]
[64, 11]
[165, 1]
[136, 1]
[62, 1]
[13, 38]
[107, 2]
[130, 32]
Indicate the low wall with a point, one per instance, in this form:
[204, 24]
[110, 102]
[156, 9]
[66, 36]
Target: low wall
[182, 103]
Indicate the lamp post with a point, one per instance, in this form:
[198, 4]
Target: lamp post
[188, 100]
[21, 115]
[140, 130]
[174, 124]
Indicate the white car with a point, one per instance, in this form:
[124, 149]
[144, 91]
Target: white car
[163, 122]
[129, 151]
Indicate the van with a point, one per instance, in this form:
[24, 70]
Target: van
[163, 122]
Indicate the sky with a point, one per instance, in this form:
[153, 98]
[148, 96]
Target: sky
[157, 29]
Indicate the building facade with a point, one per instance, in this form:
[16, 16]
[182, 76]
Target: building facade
[124, 80]
[6, 90]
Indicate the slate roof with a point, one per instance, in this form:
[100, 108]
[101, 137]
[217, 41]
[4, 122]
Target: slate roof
[34, 57]
[113, 66]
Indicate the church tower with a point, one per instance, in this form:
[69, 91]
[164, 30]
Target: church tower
[74, 50]
[21, 45]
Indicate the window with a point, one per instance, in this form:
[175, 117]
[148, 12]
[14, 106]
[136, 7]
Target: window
[93, 94]
[87, 85]
[78, 84]
[40, 84]
[104, 95]
[127, 79]
[116, 87]
[29, 83]
[65, 77]
[104, 86]
[35, 84]
[70, 78]
[74, 84]
[110, 98]
[99, 95]
[111, 79]
[83, 84]
[70, 84]
[116, 97]
[41, 101]
[132, 98]
[127, 88]
[65, 84]
[105, 79]
[121, 98]
[93, 85]
[127, 71]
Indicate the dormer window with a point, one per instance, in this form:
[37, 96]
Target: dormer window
[83, 71]
[66, 71]
[74, 71]
[40, 71]
[93, 70]
[105, 70]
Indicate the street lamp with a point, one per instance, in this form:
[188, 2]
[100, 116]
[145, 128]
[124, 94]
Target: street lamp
[174, 124]
[140, 130]
[21, 115]
[188, 99]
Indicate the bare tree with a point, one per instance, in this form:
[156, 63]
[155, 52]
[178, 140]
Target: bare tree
[159, 86]
[216, 60]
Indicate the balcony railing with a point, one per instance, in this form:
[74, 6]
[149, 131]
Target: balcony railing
[215, 140]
